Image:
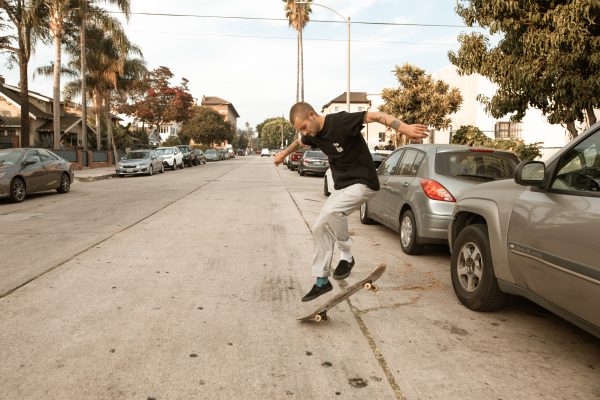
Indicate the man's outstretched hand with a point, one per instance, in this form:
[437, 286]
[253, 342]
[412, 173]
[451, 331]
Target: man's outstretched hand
[279, 157]
[415, 132]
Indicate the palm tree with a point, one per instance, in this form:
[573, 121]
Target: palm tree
[28, 17]
[298, 17]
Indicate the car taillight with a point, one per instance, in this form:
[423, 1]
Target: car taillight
[435, 191]
[305, 161]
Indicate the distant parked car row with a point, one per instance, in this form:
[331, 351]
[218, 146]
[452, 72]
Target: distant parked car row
[149, 161]
[219, 154]
[24, 171]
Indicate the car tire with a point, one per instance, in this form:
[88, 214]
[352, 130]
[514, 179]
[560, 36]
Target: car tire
[150, 170]
[408, 234]
[302, 173]
[18, 190]
[326, 191]
[162, 168]
[174, 167]
[364, 215]
[182, 166]
[472, 270]
[65, 184]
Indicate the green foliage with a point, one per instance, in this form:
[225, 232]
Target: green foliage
[548, 56]
[421, 99]
[270, 132]
[473, 136]
[206, 126]
[171, 141]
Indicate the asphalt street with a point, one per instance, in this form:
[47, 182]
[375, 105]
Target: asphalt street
[187, 285]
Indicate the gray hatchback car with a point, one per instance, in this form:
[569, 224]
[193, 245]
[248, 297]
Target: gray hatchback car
[535, 236]
[420, 184]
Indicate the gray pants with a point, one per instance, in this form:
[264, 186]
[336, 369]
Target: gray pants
[332, 225]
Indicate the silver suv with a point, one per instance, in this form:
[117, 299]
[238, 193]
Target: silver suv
[535, 236]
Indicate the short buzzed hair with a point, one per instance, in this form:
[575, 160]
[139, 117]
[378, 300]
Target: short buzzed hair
[300, 110]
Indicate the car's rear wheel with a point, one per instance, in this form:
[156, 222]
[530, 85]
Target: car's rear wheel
[150, 170]
[174, 165]
[65, 184]
[364, 215]
[472, 270]
[162, 168]
[408, 234]
[17, 190]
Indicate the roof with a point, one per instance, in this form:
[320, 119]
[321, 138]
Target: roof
[217, 101]
[14, 95]
[355, 97]
[67, 122]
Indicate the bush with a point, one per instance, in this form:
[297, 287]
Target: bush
[473, 136]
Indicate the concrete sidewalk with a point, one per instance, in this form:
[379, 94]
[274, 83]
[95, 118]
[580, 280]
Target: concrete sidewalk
[95, 174]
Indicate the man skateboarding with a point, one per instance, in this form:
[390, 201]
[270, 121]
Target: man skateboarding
[355, 180]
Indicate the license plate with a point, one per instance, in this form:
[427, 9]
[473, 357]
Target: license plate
[129, 170]
[319, 162]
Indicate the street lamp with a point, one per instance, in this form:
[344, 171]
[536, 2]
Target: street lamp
[347, 20]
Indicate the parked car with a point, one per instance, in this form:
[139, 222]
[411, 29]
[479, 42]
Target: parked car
[313, 162]
[189, 157]
[172, 157]
[230, 153]
[265, 153]
[420, 183]
[295, 158]
[200, 157]
[24, 171]
[378, 157]
[144, 162]
[212, 155]
[535, 236]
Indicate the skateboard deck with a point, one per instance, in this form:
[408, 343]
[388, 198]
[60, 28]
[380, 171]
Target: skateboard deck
[320, 313]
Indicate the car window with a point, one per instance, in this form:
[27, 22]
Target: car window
[579, 169]
[476, 164]
[45, 156]
[33, 155]
[405, 167]
[388, 167]
[314, 154]
[9, 157]
[164, 151]
[137, 155]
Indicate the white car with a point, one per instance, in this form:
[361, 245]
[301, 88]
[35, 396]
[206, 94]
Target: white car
[265, 153]
[172, 157]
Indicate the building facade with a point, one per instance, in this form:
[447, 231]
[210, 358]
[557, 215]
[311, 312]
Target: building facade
[223, 107]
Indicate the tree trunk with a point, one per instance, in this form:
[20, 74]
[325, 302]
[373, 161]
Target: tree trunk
[590, 114]
[298, 68]
[301, 67]
[572, 129]
[108, 117]
[24, 86]
[56, 29]
[97, 106]
[84, 139]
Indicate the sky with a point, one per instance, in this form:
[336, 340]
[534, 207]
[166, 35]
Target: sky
[252, 63]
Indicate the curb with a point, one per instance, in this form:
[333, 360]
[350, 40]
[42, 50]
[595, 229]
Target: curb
[95, 178]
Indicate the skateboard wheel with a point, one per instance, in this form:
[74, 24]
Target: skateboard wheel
[375, 288]
[318, 318]
[369, 286]
[326, 319]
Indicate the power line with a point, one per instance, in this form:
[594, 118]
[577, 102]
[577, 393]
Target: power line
[291, 38]
[286, 20]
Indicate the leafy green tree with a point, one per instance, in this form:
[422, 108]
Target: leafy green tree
[547, 56]
[420, 99]
[29, 18]
[298, 16]
[473, 136]
[272, 130]
[206, 126]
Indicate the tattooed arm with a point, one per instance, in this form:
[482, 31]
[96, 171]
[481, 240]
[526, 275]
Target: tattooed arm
[414, 131]
[279, 157]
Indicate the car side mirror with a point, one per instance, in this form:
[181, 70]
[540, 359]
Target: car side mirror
[531, 173]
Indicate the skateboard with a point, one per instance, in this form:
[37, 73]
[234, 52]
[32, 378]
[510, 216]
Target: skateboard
[320, 314]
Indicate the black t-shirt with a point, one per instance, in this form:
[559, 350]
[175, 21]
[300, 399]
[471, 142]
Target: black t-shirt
[349, 156]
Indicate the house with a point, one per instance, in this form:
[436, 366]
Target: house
[223, 107]
[41, 128]
[533, 128]
[375, 134]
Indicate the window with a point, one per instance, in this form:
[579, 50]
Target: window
[405, 167]
[579, 169]
[45, 156]
[507, 130]
[362, 109]
[336, 109]
[381, 137]
[389, 165]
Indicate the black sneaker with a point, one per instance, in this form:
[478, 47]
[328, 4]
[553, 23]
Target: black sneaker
[316, 291]
[343, 269]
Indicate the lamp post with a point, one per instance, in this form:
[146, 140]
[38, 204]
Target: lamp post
[347, 20]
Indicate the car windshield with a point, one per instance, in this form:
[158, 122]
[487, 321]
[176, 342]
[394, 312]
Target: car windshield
[164, 151]
[315, 154]
[480, 165]
[9, 157]
[183, 149]
[210, 152]
[137, 155]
